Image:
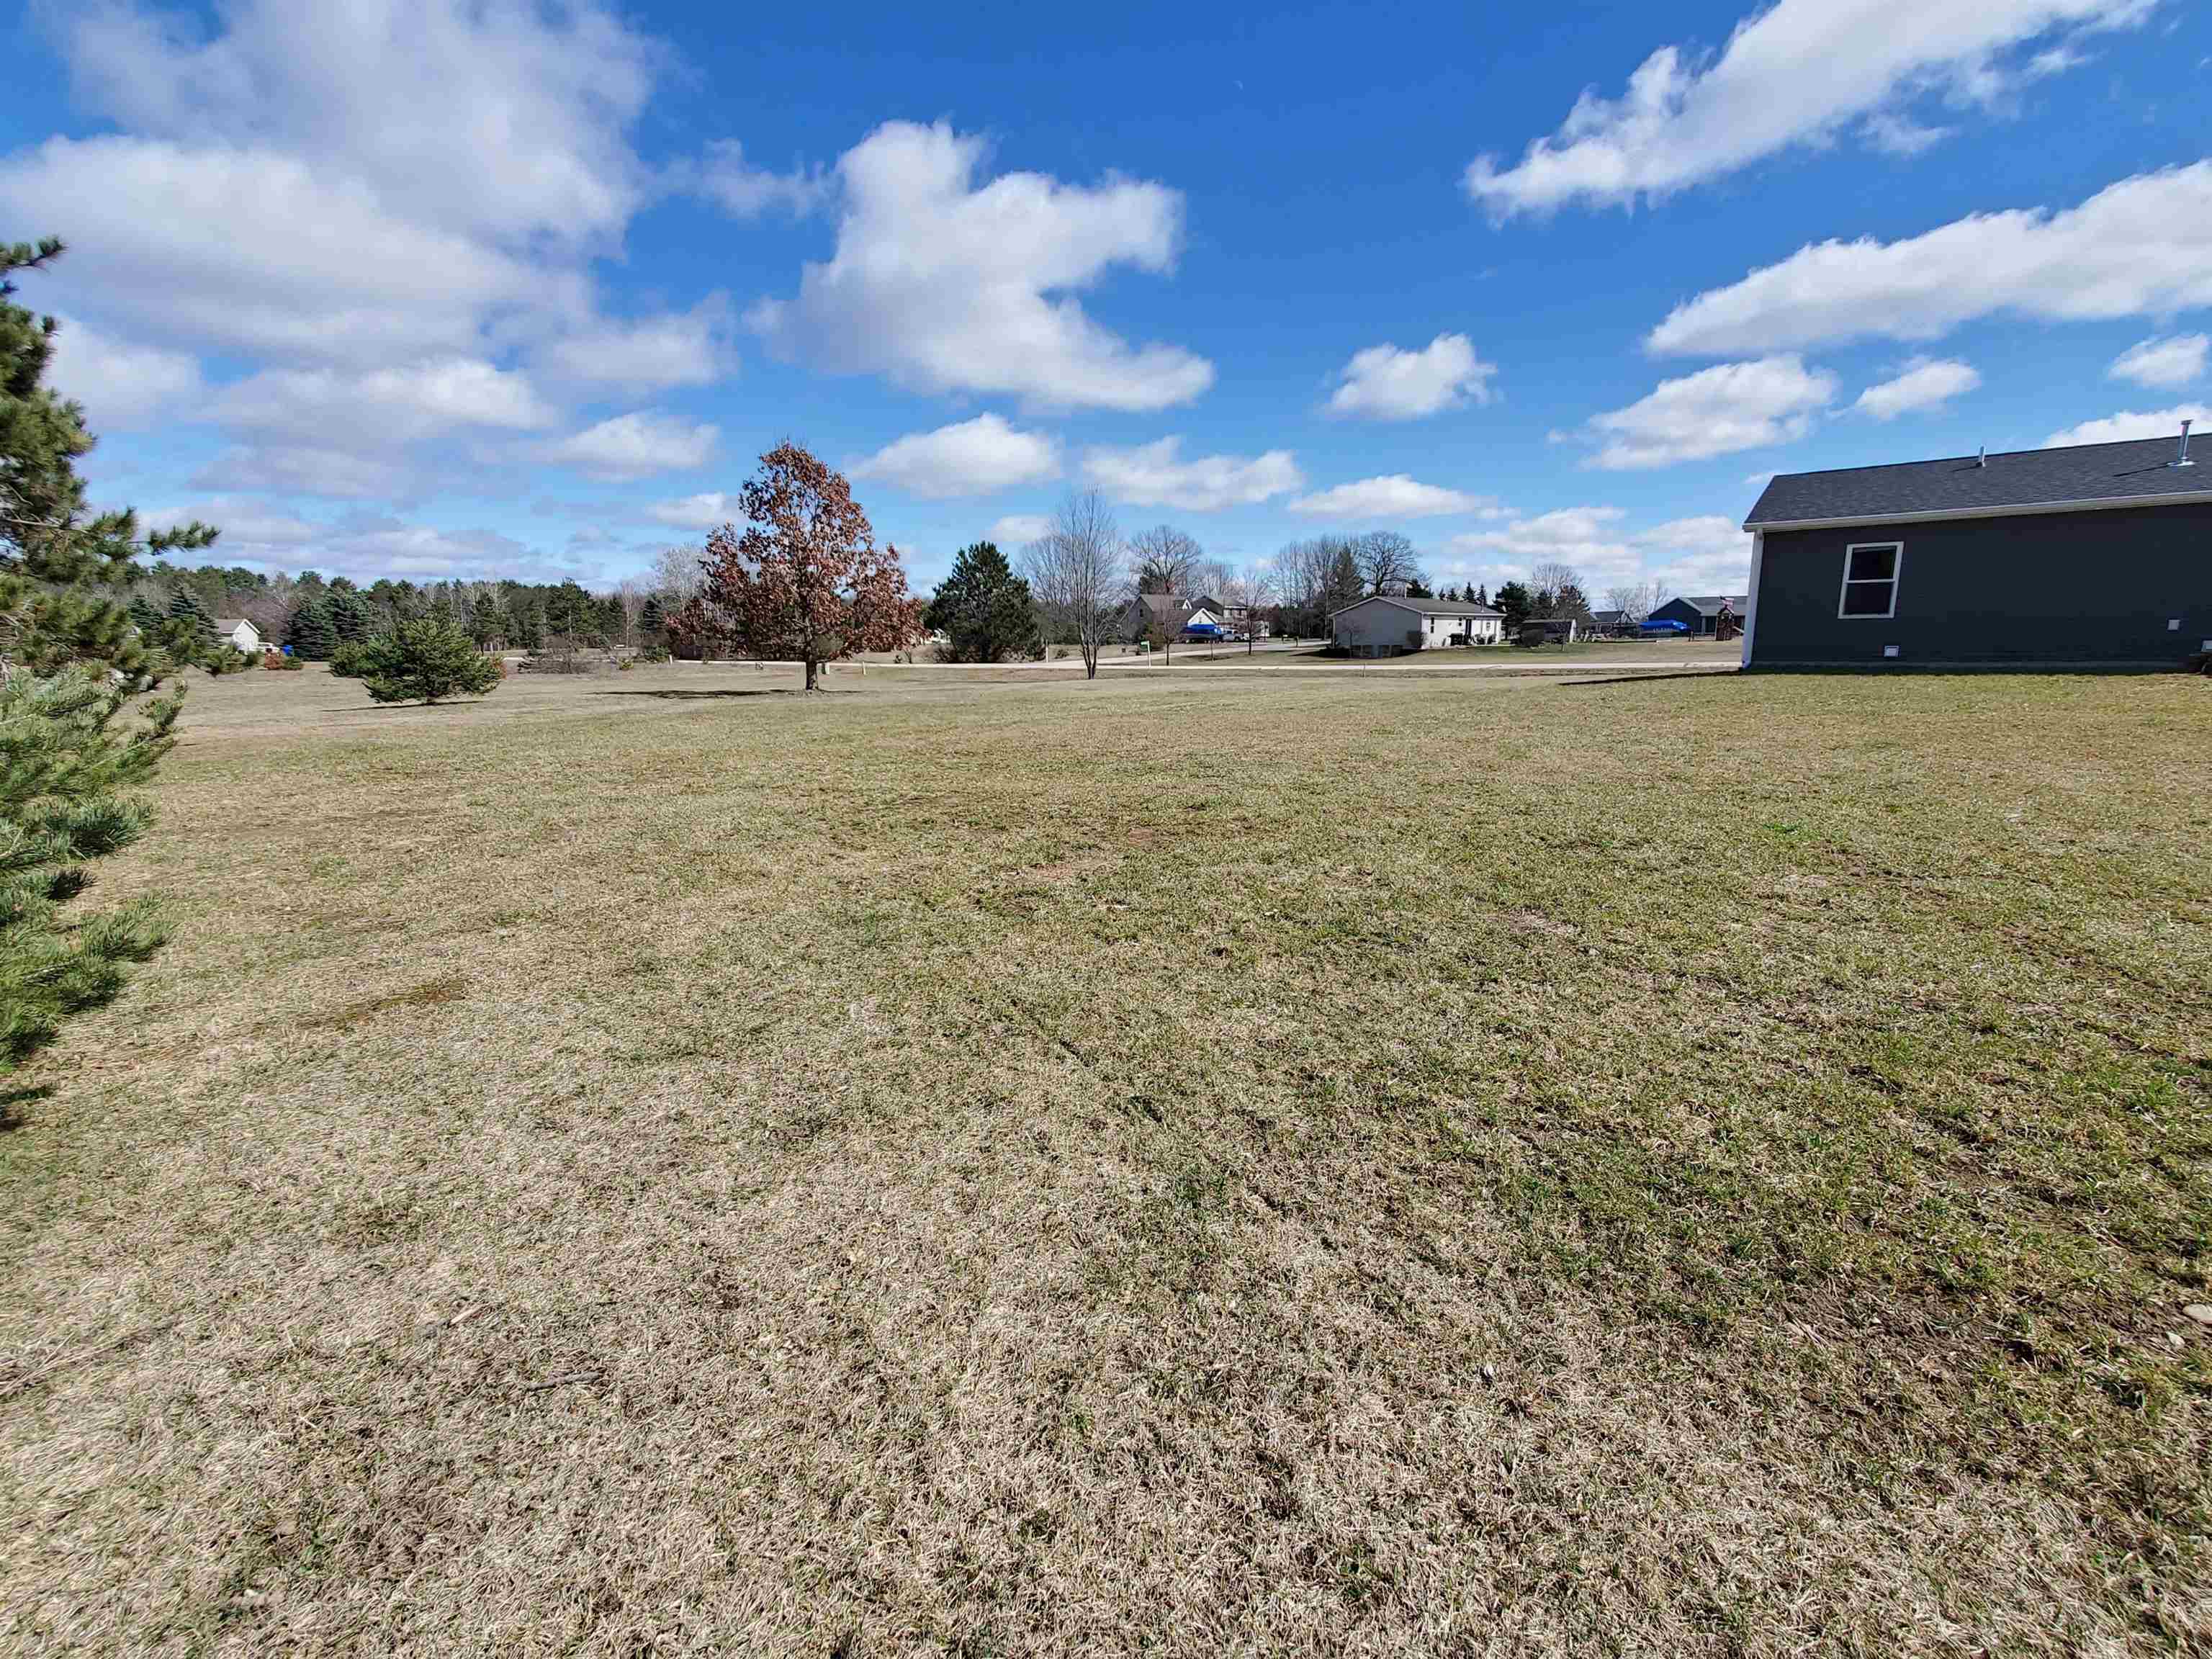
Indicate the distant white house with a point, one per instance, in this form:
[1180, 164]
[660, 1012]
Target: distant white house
[239, 632]
[1385, 625]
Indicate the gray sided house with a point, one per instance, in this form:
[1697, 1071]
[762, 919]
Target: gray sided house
[1701, 613]
[1384, 624]
[2096, 556]
[1173, 615]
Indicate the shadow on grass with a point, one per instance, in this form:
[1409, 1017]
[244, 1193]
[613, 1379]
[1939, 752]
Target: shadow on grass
[1647, 677]
[730, 691]
[11, 1098]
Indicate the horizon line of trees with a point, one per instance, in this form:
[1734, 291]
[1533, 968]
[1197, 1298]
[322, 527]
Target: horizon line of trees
[989, 606]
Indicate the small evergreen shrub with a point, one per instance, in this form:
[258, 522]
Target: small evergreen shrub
[349, 658]
[425, 659]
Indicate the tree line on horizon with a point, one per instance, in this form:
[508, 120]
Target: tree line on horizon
[984, 610]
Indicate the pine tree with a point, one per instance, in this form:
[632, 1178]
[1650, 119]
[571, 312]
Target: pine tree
[185, 608]
[425, 659]
[651, 623]
[1518, 604]
[485, 622]
[313, 633]
[79, 724]
[983, 609]
[351, 613]
[525, 620]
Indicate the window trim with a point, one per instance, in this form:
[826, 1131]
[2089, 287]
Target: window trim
[1844, 588]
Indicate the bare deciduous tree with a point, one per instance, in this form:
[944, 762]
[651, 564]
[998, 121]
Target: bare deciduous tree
[1214, 576]
[1550, 575]
[678, 574]
[1165, 559]
[1634, 600]
[1316, 577]
[1253, 587]
[1384, 556]
[1078, 573]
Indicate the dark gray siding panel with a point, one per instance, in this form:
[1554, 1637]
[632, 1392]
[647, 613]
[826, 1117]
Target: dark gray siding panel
[2089, 588]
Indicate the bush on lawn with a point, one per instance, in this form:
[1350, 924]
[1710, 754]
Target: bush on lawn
[424, 659]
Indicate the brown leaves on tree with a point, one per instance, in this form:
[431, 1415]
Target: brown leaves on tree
[804, 580]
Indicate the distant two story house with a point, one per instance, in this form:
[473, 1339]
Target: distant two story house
[1177, 615]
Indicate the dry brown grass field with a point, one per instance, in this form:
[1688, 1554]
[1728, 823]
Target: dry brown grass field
[1206, 1162]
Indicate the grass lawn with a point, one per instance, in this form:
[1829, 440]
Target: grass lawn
[1201, 1164]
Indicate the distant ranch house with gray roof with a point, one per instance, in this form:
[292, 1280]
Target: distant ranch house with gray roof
[1385, 625]
[2092, 555]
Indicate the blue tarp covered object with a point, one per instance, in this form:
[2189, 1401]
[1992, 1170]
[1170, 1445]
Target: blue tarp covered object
[1665, 625]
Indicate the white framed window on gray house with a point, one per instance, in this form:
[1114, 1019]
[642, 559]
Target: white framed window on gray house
[1870, 573]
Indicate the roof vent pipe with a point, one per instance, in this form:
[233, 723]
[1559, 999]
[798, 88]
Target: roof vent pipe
[2182, 459]
[1981, 456]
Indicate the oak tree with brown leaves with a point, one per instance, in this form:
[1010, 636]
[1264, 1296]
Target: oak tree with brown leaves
[804, 580]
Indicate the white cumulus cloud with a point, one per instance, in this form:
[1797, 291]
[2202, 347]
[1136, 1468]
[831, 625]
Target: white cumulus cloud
[1384, 383]
[969, 458]
[1708, 553]
[121, 384]
[2176, 360]
[2140, 248]
[385, 408]
[649, 354]
[2130, 424]
[1156, 475]
[636, 446]
[943, 284]
[1799, 72]
[1590, 538]
[725, 176]
[709, 510]
[1715, 411]
[1394, 496]
[386, 219]
[307, 265]
[1020, 529]
[1923, 385]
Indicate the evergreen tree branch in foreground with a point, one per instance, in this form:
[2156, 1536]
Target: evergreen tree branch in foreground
[81, 724]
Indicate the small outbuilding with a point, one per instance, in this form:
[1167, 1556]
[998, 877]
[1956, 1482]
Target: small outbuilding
[1385, 625]
[2090, 556]
[238, 631]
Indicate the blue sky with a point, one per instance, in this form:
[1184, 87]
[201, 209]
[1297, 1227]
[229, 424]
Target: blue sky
[438, 288]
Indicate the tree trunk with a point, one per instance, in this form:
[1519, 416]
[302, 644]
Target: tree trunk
[814, 674]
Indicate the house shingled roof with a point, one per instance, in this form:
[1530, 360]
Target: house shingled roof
[1961, 486]
[1425, 607]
